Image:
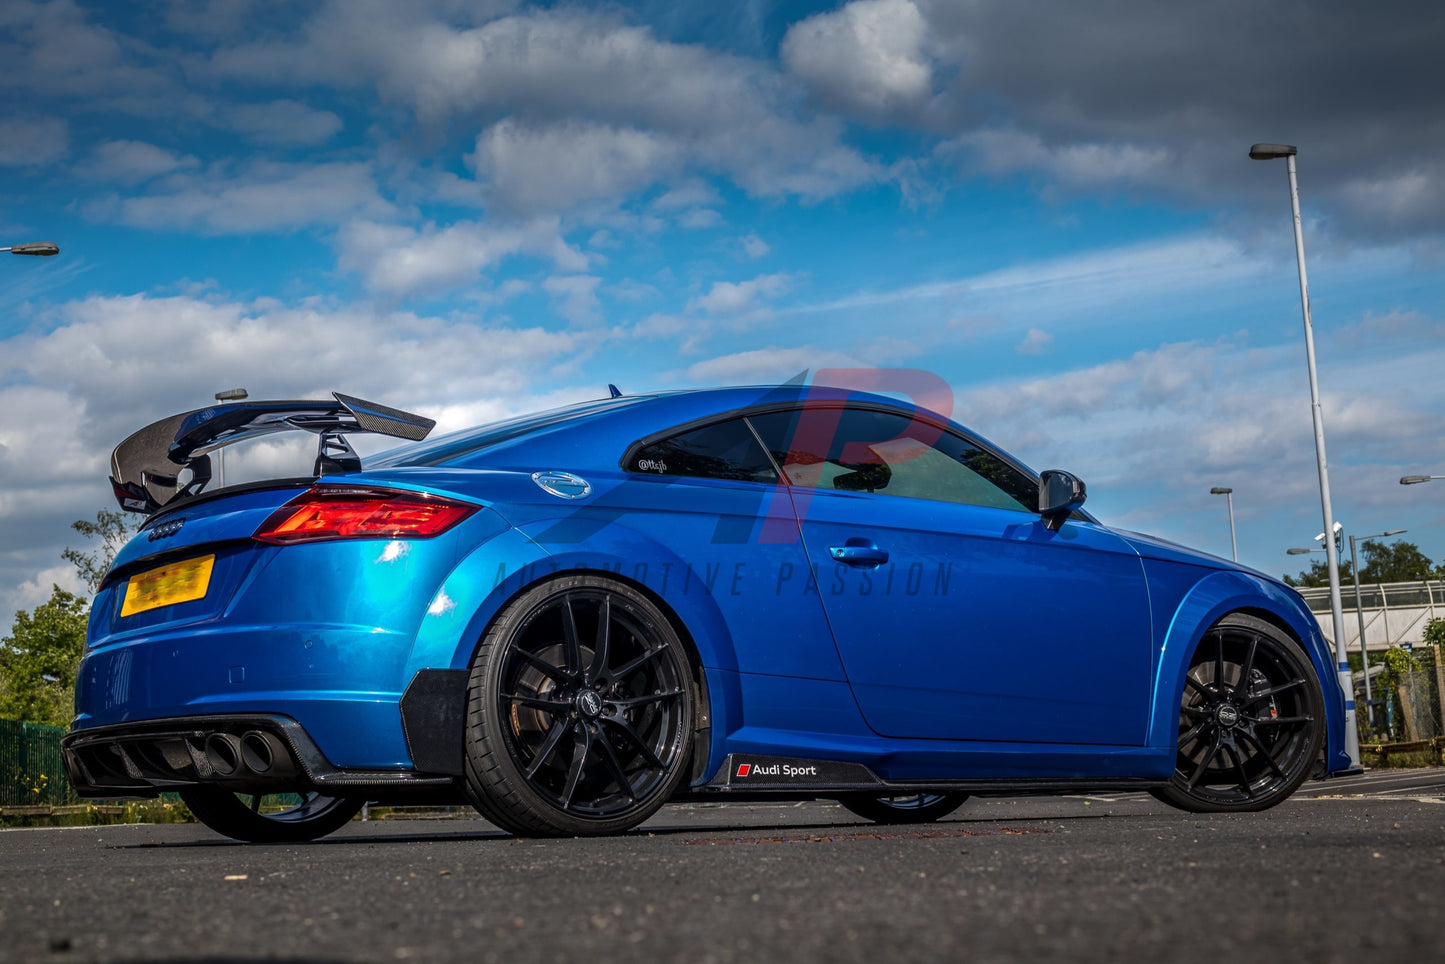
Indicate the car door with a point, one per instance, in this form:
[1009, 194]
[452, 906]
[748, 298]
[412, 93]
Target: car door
[957, 613]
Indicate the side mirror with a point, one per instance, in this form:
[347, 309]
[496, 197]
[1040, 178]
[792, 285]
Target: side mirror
[1059, 494]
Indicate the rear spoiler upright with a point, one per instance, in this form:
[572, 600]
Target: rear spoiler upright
[146, 467]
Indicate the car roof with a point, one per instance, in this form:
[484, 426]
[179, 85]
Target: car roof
[596, 432]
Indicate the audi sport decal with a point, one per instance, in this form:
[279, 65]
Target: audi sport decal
[763, 773]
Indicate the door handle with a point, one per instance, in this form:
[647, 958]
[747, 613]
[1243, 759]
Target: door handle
[858, 552]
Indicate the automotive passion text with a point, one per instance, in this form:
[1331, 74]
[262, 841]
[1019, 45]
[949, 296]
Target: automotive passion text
[740, 578]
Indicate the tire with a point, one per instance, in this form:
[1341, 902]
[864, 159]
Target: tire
[1251, 722]
[580, 710]
[915, 808]
[225, 812]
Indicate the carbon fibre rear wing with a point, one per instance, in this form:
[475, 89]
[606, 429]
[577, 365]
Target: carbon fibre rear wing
[146, 468]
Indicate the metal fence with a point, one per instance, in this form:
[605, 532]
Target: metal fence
[31, 771]
[1394, 613]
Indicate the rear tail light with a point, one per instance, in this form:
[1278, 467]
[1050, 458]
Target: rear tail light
[323, 514]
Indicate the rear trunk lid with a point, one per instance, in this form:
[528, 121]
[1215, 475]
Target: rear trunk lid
[174, 546]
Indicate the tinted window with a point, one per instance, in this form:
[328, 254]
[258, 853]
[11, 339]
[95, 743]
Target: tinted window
[859, 450]
[725, 450]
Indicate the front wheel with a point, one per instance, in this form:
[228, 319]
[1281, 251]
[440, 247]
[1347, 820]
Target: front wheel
[912, 808]
[579, 711]
[1251, 720]
[244, 817]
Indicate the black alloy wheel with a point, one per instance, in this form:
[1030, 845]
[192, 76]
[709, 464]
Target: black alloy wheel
[254, 817]
[910, 808]
[1251, 720]
[579, 711]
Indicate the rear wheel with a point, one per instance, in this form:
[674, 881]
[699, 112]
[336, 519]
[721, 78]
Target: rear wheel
[257, 819]
[1251, 720]
[912, 808]
[579, 711]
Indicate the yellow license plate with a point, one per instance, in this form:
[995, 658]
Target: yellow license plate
[177, 582]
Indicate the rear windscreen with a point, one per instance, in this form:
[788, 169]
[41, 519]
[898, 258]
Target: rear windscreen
[455, 445]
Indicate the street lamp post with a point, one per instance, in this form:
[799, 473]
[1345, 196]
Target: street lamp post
[1417, 479]
[1266, 152]
[1360, 615]
[229, 395]
[1229, 497]
[39, 249]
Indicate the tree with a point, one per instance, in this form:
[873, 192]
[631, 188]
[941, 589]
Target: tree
[1394, 562]
[1318, 575]
[39, 659]
[1383, 562]
[114, 529]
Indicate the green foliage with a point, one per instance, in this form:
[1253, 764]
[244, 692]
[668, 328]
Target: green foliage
[38, 660]
[1317, 576]
[1395, 562]
[1399, 663]
[1383, 562]
[114, 529]
[1435, 633]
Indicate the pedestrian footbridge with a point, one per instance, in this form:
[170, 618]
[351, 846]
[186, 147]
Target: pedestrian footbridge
[1394, 613]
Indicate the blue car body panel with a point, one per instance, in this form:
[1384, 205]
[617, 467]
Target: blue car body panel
[1002, 650]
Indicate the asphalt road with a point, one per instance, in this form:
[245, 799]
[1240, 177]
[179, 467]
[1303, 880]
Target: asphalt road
[1348, 870]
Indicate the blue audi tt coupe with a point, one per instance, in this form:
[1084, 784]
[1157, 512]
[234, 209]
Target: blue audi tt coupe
[571, 618]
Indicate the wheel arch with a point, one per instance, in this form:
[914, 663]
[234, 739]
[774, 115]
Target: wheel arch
[500, 570]
[1224, 593]
[702, 718]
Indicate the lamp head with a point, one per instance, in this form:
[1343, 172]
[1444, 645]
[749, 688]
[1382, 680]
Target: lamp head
[1269, 152]
[1220, 490]
[38, 249]
[1414, 479]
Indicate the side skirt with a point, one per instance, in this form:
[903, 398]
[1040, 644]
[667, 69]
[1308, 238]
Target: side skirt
[744, 776]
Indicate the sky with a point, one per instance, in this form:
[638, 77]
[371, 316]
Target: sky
[477, 209]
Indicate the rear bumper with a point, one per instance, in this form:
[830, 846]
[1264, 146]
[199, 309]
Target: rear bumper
[154, 756]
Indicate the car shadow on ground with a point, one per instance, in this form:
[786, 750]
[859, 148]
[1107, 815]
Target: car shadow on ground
[963, 826]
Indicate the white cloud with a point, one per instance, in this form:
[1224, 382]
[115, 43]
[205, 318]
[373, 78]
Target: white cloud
[285, 123]
[741, 297]
[1036, 342]
[699, 218]
[1152, 432]
[867, 58]
[766, 365]
[754, 247]
[691, 194]
[28, 141]
[131, 162]
[1069, 287]
[265, 197]
[591, 106]
[629, 290]
[397, 260]
[95, 375]
[575, 297]
[554, 167]
[52, 50]
[32, 592]
[1075, 165]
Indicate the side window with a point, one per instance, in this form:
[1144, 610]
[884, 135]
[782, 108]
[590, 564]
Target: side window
[862, 450]
[723, 450]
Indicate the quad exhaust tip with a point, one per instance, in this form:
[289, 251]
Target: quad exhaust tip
[223, 753]
[254, 752]
[263, 753]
